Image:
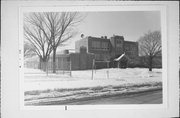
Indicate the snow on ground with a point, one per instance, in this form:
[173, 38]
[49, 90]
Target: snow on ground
[56, 97]
[35, 79]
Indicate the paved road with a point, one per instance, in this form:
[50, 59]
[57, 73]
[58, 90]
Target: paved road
[153, 97]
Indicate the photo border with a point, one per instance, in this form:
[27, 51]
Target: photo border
[161, 8]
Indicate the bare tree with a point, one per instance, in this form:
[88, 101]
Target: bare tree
[28, 50]
[53, 28]
[59, 28]
[37, 40]
[150, 46]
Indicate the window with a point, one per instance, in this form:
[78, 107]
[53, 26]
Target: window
[104, 45]
[118, 43]
[96, 44]
[127, 48]
[97, 56]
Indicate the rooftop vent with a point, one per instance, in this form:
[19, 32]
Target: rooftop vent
[82, 35]
[104, 37]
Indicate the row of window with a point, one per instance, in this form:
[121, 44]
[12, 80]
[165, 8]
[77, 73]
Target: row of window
[97, 45]
[130, 48]
[119, 41]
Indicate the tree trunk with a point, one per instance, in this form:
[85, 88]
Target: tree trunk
[54, 60]
[150, 63]
[42, 63]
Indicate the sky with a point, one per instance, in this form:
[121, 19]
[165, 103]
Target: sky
[130, 24]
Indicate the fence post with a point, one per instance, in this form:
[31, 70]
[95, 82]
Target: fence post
[70, 68]
[107, 74]
[46, 63]
[108, 69]
[118, 64]
[93, 67]
[63, 65]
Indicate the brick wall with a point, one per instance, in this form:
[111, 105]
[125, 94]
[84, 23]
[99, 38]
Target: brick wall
[81, 61]
[131, 49]
[105, 49]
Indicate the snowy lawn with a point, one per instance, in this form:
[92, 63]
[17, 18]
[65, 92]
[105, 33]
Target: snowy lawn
[40, 88]
[81, 79]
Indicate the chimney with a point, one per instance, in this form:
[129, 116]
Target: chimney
[66, 52]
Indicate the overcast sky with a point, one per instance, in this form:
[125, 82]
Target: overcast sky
[130, 24]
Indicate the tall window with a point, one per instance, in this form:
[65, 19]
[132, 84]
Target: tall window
[104, 45]
[118, 43]
[96, 44]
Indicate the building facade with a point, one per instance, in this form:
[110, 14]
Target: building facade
[73, 61]
[106, 49]
[101, 50]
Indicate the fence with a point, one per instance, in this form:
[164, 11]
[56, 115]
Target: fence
[99, 65]
[47, 67]
[60, 68]
[100, 69]
[31, 64]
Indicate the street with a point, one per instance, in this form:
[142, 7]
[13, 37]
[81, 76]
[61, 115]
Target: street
[153, 97]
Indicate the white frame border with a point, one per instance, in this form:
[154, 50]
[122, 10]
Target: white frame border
[160, 8]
